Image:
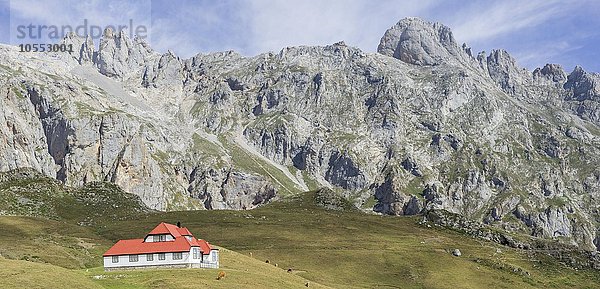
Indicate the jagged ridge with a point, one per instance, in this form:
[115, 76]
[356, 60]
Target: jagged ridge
[423, 124]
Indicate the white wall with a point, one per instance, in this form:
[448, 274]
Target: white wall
[124, 260]
[187, 258]
[214, 256]
[208, 258]
[192, 260]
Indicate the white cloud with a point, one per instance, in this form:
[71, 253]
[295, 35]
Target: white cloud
[547, 52]
[535, 32]
[483, 20]
[280, 23]
[252, 27]
[206, 26]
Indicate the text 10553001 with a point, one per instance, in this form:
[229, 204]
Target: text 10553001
[42, 47]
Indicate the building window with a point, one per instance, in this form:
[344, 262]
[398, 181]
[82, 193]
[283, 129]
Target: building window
[133, 258]
[161, 256]
[177, 256]
[115, 259]
[214, 256]
[149, 257]
[159, 238]
[196, 253]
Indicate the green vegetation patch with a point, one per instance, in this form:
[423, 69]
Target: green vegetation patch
[23, 274]
[26, 193]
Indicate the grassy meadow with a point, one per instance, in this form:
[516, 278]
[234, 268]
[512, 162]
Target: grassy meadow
[337, 248]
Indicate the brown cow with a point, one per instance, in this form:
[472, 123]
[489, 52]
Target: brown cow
[221, 275]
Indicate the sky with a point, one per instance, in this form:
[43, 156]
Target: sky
[535, 32]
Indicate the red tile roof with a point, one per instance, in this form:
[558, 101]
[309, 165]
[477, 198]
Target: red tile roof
[138, 246]
[184, 231]
[165, 228]
[205, 247]
[180, 244]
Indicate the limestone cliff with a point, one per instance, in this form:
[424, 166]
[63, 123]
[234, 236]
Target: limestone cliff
[423, 124]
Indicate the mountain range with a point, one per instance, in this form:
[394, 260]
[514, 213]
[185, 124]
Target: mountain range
[423, 124]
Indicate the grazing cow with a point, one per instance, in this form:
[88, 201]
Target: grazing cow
[221, 275]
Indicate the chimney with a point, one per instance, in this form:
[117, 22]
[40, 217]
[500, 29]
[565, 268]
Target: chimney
[178, 224]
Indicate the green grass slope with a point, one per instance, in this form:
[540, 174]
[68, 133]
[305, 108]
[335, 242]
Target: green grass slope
[22, 274]
[349, 249]
[325, 241]
[53, 242]
[241, 272]
[27, 193]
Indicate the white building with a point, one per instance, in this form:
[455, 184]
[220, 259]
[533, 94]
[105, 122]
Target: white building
[167, 246]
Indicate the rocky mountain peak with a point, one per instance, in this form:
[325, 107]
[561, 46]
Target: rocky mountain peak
[583, 85]
[419, 42]
[119, 55]
[108, 33]
[551, 72]
[505, 71]
[576, 76]
[83, 48]
[501, 58]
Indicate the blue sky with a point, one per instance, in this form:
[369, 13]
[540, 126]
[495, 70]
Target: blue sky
[535, 32]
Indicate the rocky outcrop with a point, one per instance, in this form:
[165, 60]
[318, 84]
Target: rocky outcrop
[394, 197]
[168, 71]
[83, 48]
[572, 255]
[22, 136]
[57, 129]
[583, 97]
[119, 56]
[415, 41]
[243, 191]
[344, 172]
[583, 85]
[503, 69]
[551, 73]
[225, 189]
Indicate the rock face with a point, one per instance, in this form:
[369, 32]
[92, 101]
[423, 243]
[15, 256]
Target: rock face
[583, 95]
[415, 41]
[83, 48]
[421, 125]
[503, 69]
[551, 72]
[118, 55]
[393, 199]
